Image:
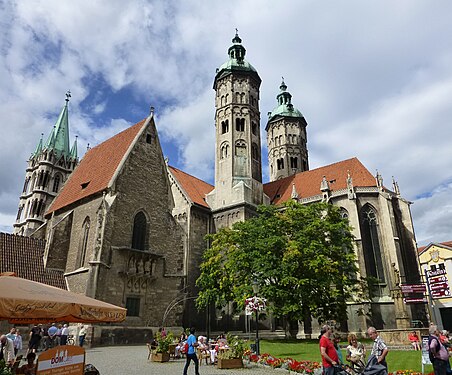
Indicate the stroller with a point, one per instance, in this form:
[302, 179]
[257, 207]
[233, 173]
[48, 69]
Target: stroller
[374, 368]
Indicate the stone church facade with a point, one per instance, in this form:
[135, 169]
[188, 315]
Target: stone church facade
[129, 229]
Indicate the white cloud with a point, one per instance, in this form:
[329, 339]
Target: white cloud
[371, 83]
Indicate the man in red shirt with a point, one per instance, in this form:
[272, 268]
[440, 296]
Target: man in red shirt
[328, 351]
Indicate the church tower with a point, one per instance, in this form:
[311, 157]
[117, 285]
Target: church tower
[286, 138]
[49, 167]
[238, 169]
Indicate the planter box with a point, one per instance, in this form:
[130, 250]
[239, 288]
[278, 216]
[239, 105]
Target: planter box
[160, 357]
[230, 363]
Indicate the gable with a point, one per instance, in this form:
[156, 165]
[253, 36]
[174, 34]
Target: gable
[307, 184]
[195, 189]
[97, 168]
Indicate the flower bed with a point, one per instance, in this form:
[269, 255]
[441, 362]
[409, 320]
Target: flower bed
[302, 367]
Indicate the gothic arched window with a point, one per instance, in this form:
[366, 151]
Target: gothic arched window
[139, 231]
[240, 148]
[224, 151]
[293, 162]
[83, 243]
[371, 243]
[343, 212]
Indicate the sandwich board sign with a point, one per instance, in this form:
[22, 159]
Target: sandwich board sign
[425, 350]
[62, 360]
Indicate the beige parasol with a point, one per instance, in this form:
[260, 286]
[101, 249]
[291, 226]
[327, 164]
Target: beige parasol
[25, 301]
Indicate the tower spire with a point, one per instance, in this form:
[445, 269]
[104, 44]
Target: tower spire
[73, 154]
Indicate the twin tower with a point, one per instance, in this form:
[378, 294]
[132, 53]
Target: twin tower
[238, 162]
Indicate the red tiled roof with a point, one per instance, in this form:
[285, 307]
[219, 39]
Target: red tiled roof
[422, 248]
[96, 169]
[307, 184]
[194, 187]
[24, 257]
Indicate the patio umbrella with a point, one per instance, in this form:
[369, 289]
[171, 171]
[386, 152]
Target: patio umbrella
[26, 301]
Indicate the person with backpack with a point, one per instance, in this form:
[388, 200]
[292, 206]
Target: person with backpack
[191, 352]
[437, 352]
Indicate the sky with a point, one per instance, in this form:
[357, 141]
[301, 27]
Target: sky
[372, 78]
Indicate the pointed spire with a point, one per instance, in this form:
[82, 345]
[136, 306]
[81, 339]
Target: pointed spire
[38, 149]
[395, 186]
[294, 194]
[58, 140]
[73, 154]
[379, 180]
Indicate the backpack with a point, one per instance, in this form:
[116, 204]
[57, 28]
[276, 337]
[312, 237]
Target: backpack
[438, 348]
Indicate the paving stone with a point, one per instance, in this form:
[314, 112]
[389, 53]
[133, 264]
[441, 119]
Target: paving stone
[121, 360]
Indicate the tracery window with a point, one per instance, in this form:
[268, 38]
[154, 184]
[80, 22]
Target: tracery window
[293, 162]
[139, 231]
[371, 243]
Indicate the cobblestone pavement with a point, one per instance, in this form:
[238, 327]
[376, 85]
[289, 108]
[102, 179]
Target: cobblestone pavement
[123, 360]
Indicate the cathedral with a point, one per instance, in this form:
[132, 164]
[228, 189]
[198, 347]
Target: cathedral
[123, 226]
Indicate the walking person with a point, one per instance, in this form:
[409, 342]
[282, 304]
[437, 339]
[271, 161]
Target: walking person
[191, 352]
[81, 336]
[64, 334]
[328, 351]
[379, 349]
[437, 352]
[17, 342]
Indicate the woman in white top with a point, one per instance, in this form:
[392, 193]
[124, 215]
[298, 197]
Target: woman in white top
[356, 352]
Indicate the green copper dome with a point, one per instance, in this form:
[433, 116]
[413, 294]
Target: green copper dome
[236, 62]
[285, 107]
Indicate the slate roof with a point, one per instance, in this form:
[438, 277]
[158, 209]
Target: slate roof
[307, 184]
[96, 169]
[195, 188]
[447, 244]
[24, 257]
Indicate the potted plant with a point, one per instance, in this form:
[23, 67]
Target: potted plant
[163, 343]
[4, 369]
[233, 357]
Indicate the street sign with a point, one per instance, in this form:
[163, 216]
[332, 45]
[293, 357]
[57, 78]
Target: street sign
[441, 293]
[438, 279]
[415, 300]
[437, 272]
[413, 288]
[437, 286]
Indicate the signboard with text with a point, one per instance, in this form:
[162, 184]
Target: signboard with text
[439, 285]
[62, 360]
[413, 288]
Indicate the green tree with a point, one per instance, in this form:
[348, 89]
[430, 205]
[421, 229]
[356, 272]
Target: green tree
[302, 257]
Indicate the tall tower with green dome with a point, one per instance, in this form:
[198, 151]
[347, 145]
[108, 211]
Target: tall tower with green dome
[286, 138]
[238, 169]
[48, 168]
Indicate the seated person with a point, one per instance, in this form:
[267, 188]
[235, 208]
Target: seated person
[356, 353]
[30, 367]
[202, 344]
[414, 340]
[444, 338]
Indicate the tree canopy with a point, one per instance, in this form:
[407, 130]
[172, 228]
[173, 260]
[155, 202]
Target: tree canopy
[302, 257]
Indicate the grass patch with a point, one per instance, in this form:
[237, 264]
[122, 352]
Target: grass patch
[309, 350]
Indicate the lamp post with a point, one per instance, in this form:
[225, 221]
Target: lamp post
[256, 291]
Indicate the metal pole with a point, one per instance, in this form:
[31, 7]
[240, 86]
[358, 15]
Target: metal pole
[257, 332]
